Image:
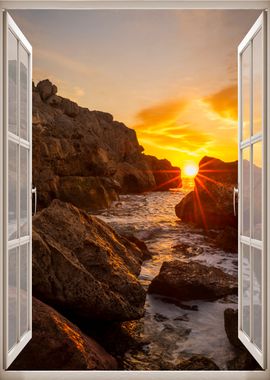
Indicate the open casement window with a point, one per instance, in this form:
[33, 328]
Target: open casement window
[252, 190]
[17, 191]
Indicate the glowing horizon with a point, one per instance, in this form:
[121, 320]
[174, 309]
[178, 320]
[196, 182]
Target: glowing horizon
[178, 93]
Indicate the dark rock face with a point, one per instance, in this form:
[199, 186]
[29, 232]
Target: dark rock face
[166, 175]
[57, 344]
[197, 363]
[210, 204]
[243, 359]
[231, 326]
[191, 281]
[82, 156]
[83, 268]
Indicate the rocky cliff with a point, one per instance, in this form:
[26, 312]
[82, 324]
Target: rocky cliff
[85, 157]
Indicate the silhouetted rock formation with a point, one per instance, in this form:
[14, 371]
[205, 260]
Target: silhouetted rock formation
[191, 281]
[57, 344]
[166, 175]
[210, 204]
[83, 268]
[82, 156]
[243, 359]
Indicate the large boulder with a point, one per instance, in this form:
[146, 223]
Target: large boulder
[210, 204]
[83, 268]
[191, 281]
[166, 175]
[57, 344]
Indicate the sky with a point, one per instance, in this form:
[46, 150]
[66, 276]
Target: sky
[169, 74]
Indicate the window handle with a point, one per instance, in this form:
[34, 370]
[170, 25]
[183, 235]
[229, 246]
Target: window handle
[34, 191]
[235, 191]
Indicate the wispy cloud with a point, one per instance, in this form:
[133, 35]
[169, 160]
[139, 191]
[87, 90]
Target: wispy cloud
[224, 102]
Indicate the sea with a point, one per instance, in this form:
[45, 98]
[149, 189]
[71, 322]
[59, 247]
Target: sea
[173, 332]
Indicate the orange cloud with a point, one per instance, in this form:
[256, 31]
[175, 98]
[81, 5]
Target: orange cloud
[224, 102]
[163, 113]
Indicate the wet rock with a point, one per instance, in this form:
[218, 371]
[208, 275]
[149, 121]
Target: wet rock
[227, 239]
[166, 175]
[197, 363]
[188, 250]
[210, 204]
[128, 335]
[243, 361]
[191, 281]
[140, 244]
[83, 268]
[231, 326]
[64, 346]
[183, 318]
[160, 318]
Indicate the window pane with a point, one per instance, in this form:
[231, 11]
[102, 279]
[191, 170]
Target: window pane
[12, 297]
[24, 190]
[257, 297]
[257, 189]
[246, 192]
[246, 74]
[23, 289]
[246, 289]
[12, 83]
[257, 83]
[23, 92]
[12, 189]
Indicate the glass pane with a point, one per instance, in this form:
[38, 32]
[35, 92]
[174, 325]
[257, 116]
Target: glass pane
[23, 289]
[246, 192]
[246, 289]
[257, 83]
[257, 189]
[257, 297]
[12, 189]
[12, 83]
[246, 74]
[24, 191]
[12, 297]
[23, 92]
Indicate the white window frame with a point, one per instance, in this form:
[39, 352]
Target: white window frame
[138, 375]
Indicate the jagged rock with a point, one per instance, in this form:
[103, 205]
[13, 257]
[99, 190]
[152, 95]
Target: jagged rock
[191, 281]
[210, 204]
[46, 89]
[166, 175]
[141, 245]
[71, 141]
[197, 363]
[83, 268]
[89, 193]
[57, 344]
[70, 108]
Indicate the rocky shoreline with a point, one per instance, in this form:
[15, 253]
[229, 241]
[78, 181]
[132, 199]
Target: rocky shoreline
[89, 301]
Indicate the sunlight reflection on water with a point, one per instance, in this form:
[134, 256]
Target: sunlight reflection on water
[151, 218]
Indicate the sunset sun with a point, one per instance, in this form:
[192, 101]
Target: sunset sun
[190, 170]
